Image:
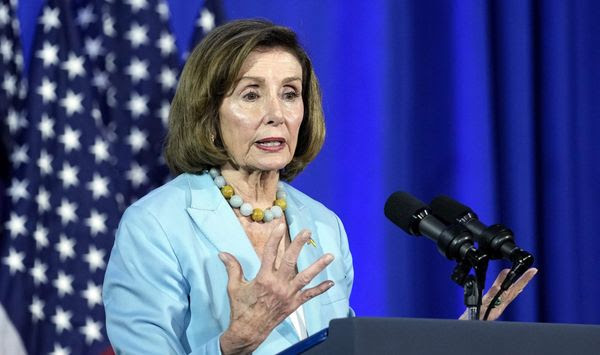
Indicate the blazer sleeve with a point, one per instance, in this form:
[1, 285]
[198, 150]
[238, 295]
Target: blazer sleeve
[145, 293]
[347, 261]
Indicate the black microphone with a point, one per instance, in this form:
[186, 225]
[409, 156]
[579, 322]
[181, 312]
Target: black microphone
[415, 218]
[496, 240]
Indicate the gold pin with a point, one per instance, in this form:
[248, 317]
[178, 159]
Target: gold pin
[312, 242]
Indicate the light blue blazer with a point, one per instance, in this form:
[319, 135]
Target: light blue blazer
[165, 287]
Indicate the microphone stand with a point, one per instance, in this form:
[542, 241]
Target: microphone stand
[473, 285]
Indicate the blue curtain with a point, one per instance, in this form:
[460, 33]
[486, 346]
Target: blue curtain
[496, 103]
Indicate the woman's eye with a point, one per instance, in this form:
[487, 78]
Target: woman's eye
[251, 96]
[290, 95]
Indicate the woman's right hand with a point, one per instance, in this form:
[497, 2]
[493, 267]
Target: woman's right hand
[258, 306]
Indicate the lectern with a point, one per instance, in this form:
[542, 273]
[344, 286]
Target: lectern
[448, 337]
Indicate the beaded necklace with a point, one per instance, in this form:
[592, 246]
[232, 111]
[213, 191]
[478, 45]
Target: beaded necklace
[246, 209]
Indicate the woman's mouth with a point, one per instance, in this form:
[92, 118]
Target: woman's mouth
[271, 144]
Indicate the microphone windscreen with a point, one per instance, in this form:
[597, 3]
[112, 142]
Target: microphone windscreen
[401, 208]
[449, 210]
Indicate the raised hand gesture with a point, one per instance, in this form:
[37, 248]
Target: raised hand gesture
[258, 306]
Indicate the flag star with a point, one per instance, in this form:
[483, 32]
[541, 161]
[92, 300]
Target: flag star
[99, 150]
[15, 120]
[4, 14]
[48, 54]
[18, 190]
[98, 186]
[16, 225]
[6, 49]
[91, 330]
[111, 97]
[96, 222]
[163, 112]
[168, 78]
[137, 70]
[9, 84]
[95, 258]
[93, 47]
[38, 272]
[100, 80]
[43, 200]
[137, 139]
[137, 5]
[62, 320]
[137, 35]
[166, 44]
[41, 236]
[138, 105]
[137, 175]
[92, 294]
[19, 156]
[45, 163]
[68, 175]
[108, 26]
[65, 247]
[14, 261]
[49, 19]
[63, 284]
[46, 126]
[206, 20]
[72, 102]
[70, 139]
[74, 66]
[58, 349]
[37, 309]
[47, 90]
[109, 62]
[97, 115]
[66, 211]
[163, 10]
[85, 16]
[19, 62]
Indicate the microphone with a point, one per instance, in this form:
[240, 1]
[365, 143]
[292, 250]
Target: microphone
[496, 240]
[415, 218]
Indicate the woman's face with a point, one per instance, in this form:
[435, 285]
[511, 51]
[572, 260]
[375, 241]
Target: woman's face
[261, 118]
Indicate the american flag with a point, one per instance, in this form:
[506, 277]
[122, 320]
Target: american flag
[211, 14]
[62, 213]
[102, 76]
[139, 59]
[12, 91]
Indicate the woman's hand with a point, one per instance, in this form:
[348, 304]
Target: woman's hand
[507, 297]
[258, 306]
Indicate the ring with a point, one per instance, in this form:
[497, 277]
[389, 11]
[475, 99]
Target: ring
[497, 303]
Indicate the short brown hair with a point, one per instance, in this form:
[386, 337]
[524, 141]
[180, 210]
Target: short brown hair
[193, 141]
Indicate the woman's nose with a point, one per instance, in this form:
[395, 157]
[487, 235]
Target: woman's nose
[274, 112]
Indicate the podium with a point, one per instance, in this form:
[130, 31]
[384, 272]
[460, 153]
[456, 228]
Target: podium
[447, 337]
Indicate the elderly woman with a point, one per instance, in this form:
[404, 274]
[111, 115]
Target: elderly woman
[226, 257]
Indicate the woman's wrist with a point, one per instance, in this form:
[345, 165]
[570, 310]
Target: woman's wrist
[238, 342]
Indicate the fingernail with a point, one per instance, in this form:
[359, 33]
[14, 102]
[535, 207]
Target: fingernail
[330, 284]
[223, 257]
[329, 258]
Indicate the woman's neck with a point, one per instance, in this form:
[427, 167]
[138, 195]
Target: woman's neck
[256, 187]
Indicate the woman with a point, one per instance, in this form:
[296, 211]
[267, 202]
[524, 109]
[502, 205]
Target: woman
[208, 263]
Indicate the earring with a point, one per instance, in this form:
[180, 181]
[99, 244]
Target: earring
[212, 137]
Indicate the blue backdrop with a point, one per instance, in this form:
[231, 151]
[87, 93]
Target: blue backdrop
[495, 103]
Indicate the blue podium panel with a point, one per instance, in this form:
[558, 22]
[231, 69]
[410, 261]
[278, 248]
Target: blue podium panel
[447, 337]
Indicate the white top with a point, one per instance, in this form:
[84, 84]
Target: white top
[297, 319]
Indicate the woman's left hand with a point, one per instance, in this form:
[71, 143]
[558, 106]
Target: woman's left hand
[507, 297]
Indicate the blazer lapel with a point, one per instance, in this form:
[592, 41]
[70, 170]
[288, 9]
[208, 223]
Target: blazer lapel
[218, 223]
[298, 218]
